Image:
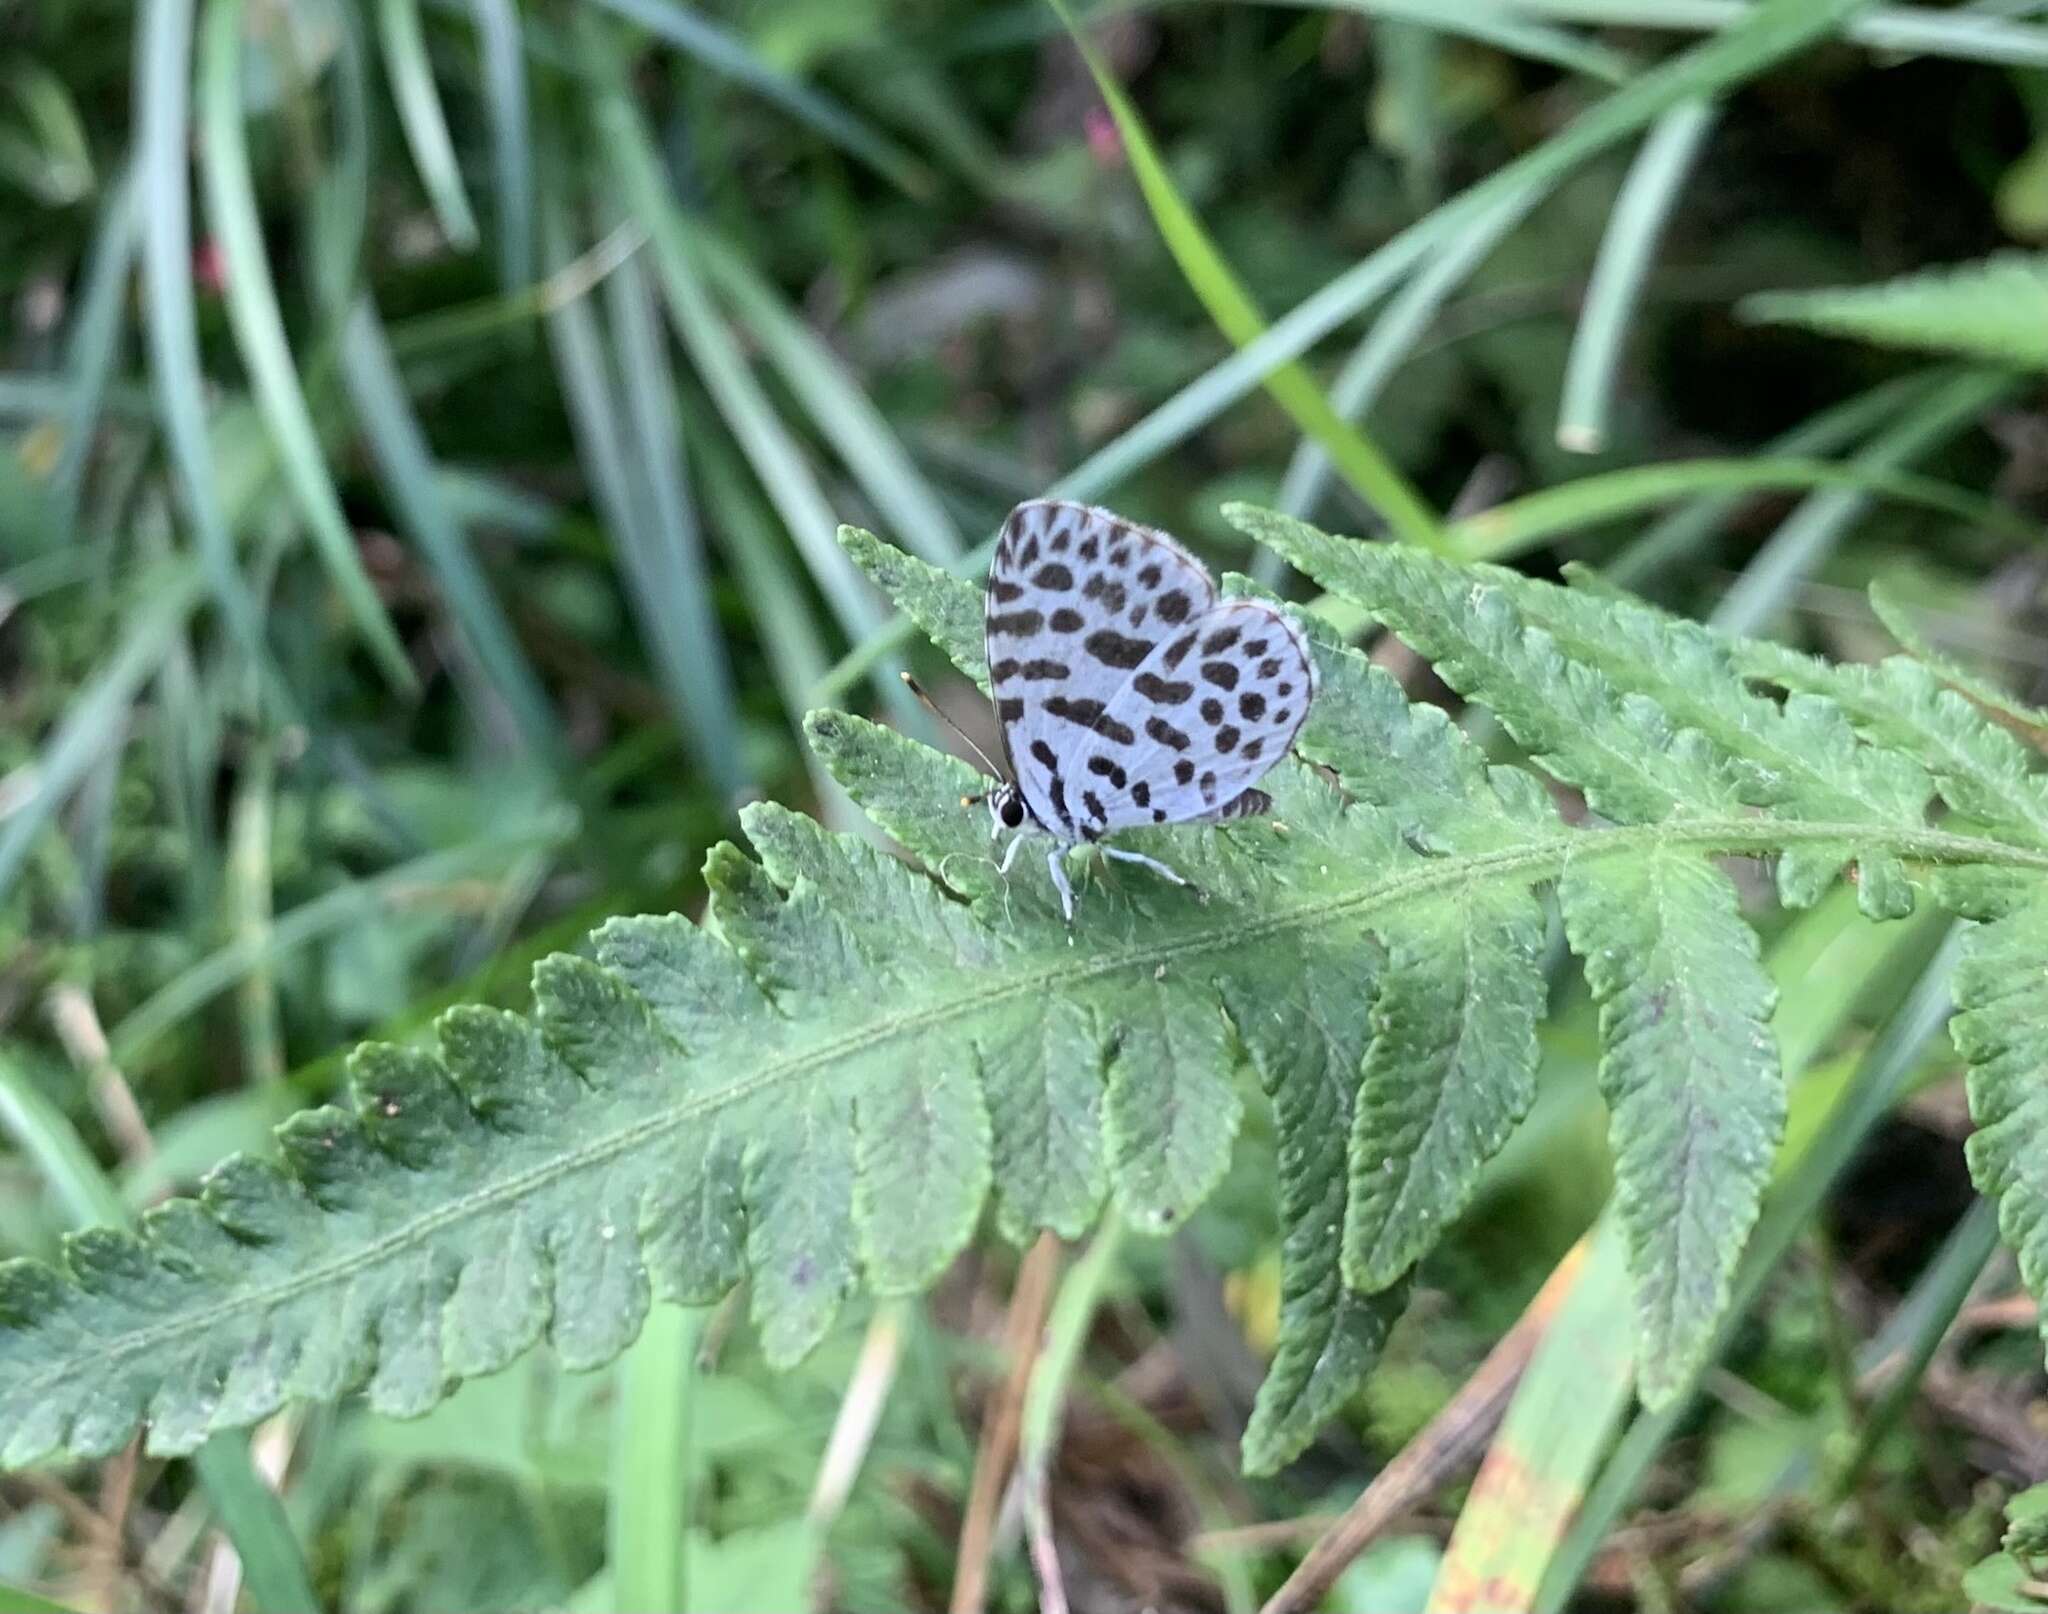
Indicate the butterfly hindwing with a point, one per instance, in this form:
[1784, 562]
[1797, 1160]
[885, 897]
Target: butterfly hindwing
[1078, 601]
[1209, 711]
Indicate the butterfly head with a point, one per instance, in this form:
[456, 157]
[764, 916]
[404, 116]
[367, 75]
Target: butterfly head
[1006, 807]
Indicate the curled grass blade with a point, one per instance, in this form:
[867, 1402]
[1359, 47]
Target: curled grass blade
[1634, 228]
[1491, 24]
[258, 324]
[424, 122]
[1214, 282]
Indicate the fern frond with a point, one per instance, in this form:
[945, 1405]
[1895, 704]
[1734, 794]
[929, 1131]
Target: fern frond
[822, 1086]
[1995, 309]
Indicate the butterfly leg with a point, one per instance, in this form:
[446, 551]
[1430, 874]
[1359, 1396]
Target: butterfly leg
[1056, 864]
[1152, 863]
[1009, 855]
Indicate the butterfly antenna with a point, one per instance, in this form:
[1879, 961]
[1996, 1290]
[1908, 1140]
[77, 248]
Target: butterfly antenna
[925, 700]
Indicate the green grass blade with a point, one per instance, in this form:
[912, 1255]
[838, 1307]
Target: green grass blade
[95, 341]
[1812, 531]
[321, 916]
[1685, 530]
[909, 505]
[504, 79]
[1495, 25]
[1394, 336]
[96, 720]
[406, 465]
[19, 1600]
[1872, 1090]
[1514, 528]
[248, 1510]
[652, 1465]
[664, 547]
[1771, 32]
[258, 324]
[1920, 30]
[422, 119]
[1634, 228]
[164, 54]
[723, 52]
[1213, 281]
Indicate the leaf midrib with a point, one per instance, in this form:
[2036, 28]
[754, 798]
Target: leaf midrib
[1737, 835]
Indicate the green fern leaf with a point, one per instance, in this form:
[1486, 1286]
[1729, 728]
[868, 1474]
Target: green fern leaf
[820, 1087]
[1996, 309]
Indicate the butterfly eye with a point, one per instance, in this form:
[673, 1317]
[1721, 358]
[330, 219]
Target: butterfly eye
[1011, 812]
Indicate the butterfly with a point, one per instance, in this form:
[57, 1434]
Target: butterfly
[1126, 693]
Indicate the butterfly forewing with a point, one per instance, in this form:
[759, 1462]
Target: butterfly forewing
[1078, 602]
[1210, 710]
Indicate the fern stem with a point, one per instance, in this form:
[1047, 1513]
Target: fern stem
[1066, 1331]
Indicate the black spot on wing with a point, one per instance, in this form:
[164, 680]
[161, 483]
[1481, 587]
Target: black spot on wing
[1162, 691]
[1219, 641]
[1212, 711]
[1044, 669]
[1043, 754]
[1093, 803]
[1067, 620]
[1208, 786]
[1223, 674]
[1089, 715]
[1251, 706]
[1020, 623]
[1183, 771]
[1058, 792]
[1010, 709]
[1112, 595]
[1270, 667]
[1004, 593]
[1003, 671]
[1053, 577]
[1253, 750]
[1060, 539]
[1227, 738]
[1177, 652]
[1114, 649]
[1284, 690]
[1028, 555]
[1141, 793]
[1175, 606]
[1149, 574]
[1107, 768]
[1166, 734]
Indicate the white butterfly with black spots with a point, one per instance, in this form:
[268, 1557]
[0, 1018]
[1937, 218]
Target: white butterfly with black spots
[1127, 695]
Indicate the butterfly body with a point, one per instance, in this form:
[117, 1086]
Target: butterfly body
[1127, 694]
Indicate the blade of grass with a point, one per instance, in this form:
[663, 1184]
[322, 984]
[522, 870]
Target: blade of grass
[1394, 336]
[1772, 31]
[660, 558]
[1634, 228]
[320, 916]
[842, 412]
[406, 466]
[1213, 281]
[1805, 538]
[1918, 30]
[422, 119]
[1684, 531]
[248, 1510]
[95, 341]
[20, 1600]
[653, 1462]
[664, 548]
[163, 53]
[96, 719]
[258, 325]
[1487, 23]
[1879, 1076]
[1521, 524]
[779, 463]
[504, 78]
[727, 54]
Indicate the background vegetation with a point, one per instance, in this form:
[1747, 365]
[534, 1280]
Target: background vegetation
[426, 427]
